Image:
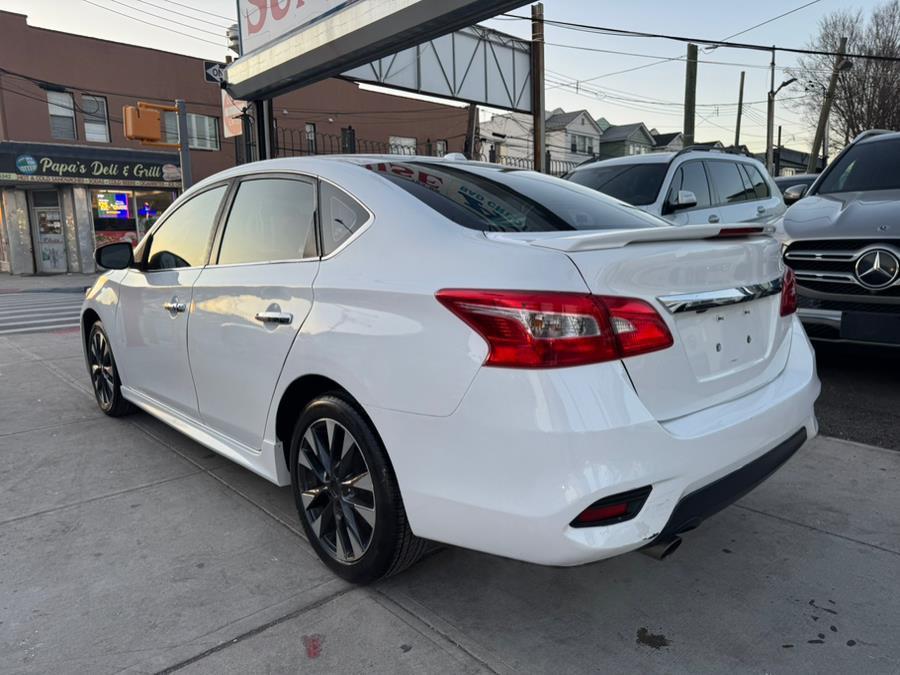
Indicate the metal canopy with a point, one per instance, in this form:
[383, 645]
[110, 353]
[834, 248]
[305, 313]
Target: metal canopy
[474, 64]
[355, 34]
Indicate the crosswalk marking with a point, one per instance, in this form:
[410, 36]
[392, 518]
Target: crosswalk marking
[35, 312]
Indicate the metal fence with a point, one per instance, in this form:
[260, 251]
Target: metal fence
[555, 167]
[300, 142]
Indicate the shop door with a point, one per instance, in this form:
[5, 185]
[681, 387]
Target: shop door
[50, 243]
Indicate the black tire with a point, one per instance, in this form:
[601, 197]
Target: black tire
[391, 546]
[104, 374]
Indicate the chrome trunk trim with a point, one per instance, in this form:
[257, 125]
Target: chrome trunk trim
[702, 301]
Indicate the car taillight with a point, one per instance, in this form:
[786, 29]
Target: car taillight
[788, 293]
[530, 329]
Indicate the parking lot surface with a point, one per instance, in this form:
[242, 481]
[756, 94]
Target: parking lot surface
[126, 547]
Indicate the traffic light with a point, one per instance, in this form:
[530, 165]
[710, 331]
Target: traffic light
[142, 124]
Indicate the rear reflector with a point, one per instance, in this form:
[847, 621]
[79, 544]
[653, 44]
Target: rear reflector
[532, 329]
[788, 293]
[615, 509]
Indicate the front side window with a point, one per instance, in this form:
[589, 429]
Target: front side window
[502, 199]
[692, 177]
[96, 119]
[729, 182]
[865, 166]
[271, 219]
[183, 239]
[636, 184]
[341, 217]
[62, 115]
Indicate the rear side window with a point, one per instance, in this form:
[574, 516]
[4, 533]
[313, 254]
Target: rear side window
[730, 183]
[341, 216]
[692, 177]
[637, 184]
[501, 199]
[759, 186]
[271, 219]
[183, 239]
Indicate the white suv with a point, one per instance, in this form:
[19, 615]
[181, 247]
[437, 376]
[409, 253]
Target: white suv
[690, 187]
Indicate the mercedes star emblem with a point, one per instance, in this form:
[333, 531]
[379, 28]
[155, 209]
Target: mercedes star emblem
[877, 268]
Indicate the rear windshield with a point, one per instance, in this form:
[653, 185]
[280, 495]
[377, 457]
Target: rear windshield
[867, 166]
[637, 184]
[510, 200]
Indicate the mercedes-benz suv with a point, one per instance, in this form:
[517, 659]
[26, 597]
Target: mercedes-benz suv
[843, 242]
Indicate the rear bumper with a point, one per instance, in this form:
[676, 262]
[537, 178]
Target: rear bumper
[527, 451]
[699, 505]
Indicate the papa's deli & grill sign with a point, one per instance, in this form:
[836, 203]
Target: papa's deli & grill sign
[49, 168]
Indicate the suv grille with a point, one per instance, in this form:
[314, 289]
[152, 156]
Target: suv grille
[827, 266]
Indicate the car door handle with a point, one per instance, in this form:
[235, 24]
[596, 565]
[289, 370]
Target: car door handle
[175, 306]
[274, 317]
[714, 218]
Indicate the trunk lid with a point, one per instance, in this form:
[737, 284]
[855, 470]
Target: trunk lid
[720, 298]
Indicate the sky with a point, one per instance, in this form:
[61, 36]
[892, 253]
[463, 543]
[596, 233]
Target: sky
[576, 78]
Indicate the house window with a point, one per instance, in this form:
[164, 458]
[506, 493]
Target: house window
[582, 145]
[310, 131]
[203, 130]
[96, 120]
[62, 115]
[440, 148]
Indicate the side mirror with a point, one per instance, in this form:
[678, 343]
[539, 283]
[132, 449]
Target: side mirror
[116, 256]
[794, 194]
[683, 199]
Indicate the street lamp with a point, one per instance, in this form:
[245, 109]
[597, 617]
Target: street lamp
[770, 123]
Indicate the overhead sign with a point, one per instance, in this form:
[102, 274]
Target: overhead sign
[232, 112]
[288, 43]
[475, 64]
[47, 163]
[214, 72]
[264, 21]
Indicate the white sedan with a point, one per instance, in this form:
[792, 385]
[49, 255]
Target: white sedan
[460, 352]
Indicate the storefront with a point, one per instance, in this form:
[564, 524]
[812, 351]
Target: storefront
[58, 202]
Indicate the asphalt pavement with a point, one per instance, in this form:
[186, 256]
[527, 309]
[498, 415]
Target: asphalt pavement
[126, 547]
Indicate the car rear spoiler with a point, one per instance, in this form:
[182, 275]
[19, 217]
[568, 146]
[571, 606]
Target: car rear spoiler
[601, 239]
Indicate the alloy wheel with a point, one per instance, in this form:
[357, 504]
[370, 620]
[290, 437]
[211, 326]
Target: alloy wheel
[336, 490]
[102, 377]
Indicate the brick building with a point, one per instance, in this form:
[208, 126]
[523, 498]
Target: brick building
[70, 180]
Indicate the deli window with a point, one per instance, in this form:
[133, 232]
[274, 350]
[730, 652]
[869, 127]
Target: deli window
[126, 215]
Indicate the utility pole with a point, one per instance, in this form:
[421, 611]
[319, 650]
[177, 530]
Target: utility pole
[471, 125]
[839, 65]
[690, 94]
[770, 118]
[778, 157]
[184, 147]
[737, 128]
[537, 83]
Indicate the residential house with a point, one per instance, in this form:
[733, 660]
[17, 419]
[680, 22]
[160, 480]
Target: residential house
[625, 139]
[672, 142]
[571, 137]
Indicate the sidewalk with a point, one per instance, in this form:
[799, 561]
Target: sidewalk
[124, 546]
[10, 283]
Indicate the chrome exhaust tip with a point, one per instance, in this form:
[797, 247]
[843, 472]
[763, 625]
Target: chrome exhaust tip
[662, 549]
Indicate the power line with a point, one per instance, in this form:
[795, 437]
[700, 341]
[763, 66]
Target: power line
[173, 11]
[201, 11]
[156, 25]
[774, 18]
[603, 30]
[164, 18]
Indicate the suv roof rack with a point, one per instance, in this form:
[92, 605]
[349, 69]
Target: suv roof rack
[727, 150]
[872, 132]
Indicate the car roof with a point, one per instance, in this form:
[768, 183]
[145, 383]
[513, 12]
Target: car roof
[875, 136]
[665, 158]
